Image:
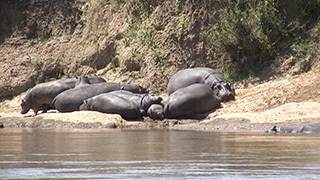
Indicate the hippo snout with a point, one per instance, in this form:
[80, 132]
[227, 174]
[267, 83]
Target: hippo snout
[25, 107]
[224, 91]
[23, 111]
[227, 97]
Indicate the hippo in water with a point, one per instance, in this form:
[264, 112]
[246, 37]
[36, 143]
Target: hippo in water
[71, 99]
[129, 105]
[41, 96]
[193, 99]
[183, 78]
[305, 128]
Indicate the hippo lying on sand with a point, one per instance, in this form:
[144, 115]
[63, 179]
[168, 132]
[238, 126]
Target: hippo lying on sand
[305, 128]
[129, 105]
[71, 99]
[193, 99]
[41, 96]
[203, 75]
[156, 111]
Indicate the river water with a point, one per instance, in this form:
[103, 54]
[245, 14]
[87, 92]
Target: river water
[156, 154]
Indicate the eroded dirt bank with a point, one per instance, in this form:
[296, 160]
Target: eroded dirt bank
[258, 106]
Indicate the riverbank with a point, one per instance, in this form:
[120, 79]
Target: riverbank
[258, 106]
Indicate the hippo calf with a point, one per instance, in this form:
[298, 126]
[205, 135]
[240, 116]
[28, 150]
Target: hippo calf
[70, 100]
[186, 77]
[193, 99]
[305, 128]
[129, 105]
[156, 111]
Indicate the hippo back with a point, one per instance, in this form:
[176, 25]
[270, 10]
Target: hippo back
[193, 99]
[42, 95]
[113, 104]
[71, 99]
[304, 128]
[131, 96]
[143, 101]
[48, 90]
[186, 77]
[92, 80]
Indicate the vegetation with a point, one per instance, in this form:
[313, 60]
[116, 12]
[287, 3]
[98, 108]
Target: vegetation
[144, 25]
[255, 33]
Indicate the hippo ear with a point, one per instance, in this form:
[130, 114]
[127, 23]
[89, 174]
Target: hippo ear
[85, 102]
[142, 90]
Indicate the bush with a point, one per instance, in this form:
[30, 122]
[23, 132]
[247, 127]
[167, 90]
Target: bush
[250, 32]
[254, 33]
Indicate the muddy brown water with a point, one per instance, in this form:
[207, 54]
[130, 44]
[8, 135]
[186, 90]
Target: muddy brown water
[156, 154]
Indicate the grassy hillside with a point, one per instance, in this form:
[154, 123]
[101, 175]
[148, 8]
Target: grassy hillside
[146, 42]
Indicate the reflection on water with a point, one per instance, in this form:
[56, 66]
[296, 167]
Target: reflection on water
[149, 154]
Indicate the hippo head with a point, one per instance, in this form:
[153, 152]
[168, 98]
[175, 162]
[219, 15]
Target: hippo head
[135, 88]
[149, 99]
[142, 89]
[224, 91]
[156, 111]
[82, 80]
[85, 106]
[25, 106]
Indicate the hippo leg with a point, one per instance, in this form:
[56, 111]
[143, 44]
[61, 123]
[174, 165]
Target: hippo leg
[35, 110]
[45, 108]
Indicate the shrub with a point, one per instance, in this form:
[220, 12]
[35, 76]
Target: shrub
[250, 32]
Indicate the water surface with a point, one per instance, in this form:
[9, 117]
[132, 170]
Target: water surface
[150, 154]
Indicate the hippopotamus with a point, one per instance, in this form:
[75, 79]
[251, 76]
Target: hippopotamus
[305, 128]
[42, 95]
[70, 100]
[129, 105]
[92, 80]
[183, 78]
[82, 80]
[156, 111]
[193, 99]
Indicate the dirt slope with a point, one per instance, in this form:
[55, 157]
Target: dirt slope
[141, 42]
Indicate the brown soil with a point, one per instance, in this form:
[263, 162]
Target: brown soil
[49, 40]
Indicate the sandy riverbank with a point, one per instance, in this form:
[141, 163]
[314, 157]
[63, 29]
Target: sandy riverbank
[286, 101]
